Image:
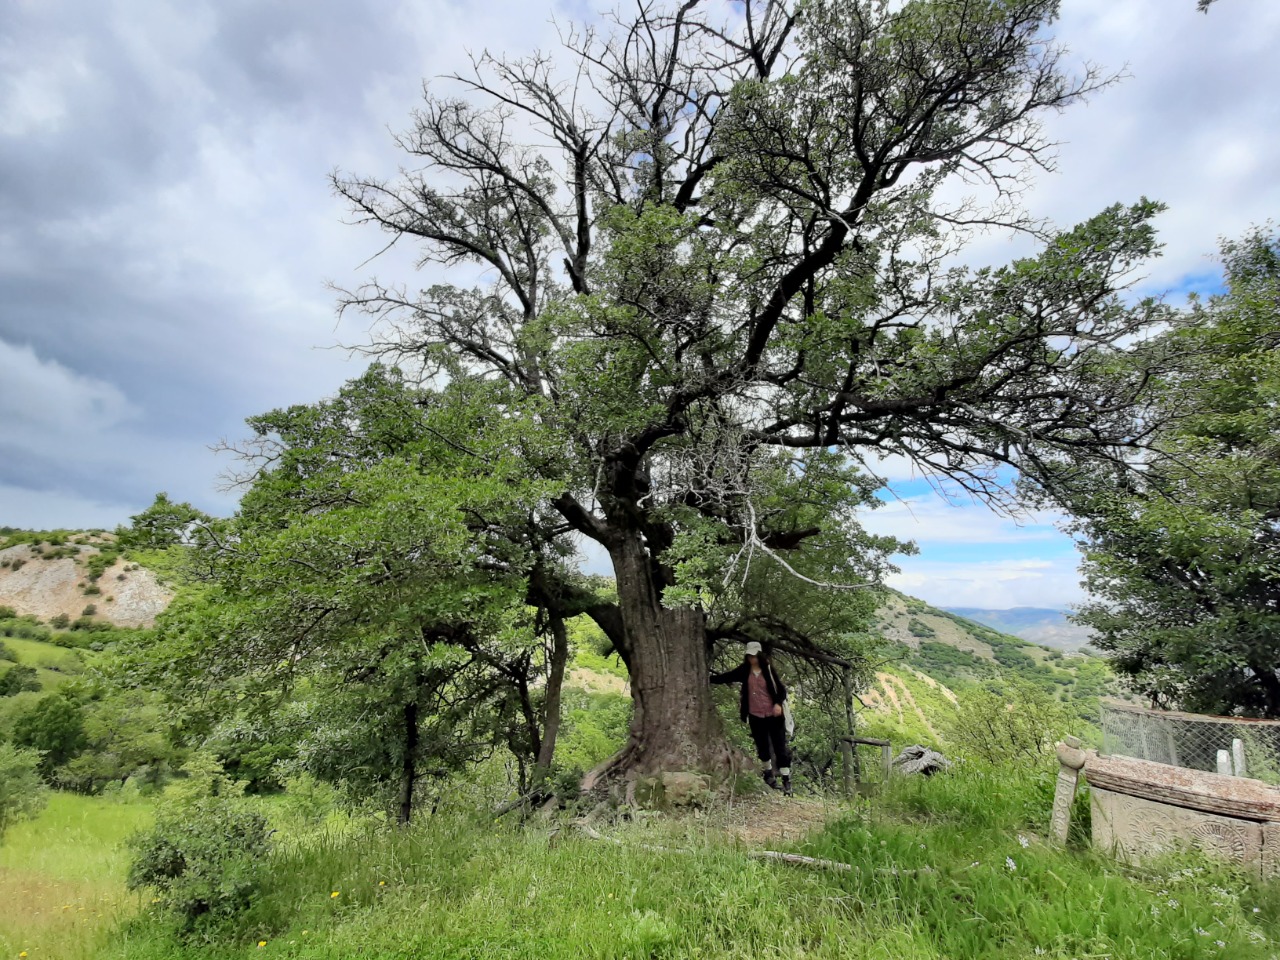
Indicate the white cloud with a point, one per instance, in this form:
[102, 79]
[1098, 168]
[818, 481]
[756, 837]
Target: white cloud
[41, 395]
[993, 584]
[929, 519]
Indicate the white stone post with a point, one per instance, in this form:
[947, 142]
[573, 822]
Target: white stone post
[1224, 762]
[1071, 758]
[1237, 757]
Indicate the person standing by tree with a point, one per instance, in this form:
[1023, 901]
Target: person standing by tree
[762, 698]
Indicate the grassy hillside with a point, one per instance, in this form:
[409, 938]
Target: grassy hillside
[1047, 627]
[62, 877]
[953, 867]
[953, 649]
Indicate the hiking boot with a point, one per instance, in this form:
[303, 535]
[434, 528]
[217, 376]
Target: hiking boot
[786, 786]
[770, 779]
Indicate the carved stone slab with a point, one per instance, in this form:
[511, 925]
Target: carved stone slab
[1137, 828]
[1235, 797]
[1270, 851]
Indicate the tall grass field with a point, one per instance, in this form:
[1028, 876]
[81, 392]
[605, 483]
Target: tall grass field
[62, 875]
[951, 868]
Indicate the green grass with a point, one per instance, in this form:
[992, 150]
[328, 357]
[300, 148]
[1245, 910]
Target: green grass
[952, 868]
[62, 877]
[45, 656]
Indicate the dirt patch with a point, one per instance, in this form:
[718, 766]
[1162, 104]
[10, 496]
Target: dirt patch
[593, 682]
[902, 697]
[772, 819]
[48, 588]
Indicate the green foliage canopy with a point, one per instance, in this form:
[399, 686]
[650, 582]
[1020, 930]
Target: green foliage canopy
[1184, 558]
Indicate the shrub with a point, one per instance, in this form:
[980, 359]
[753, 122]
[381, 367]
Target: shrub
[89, 611]
[92, 590]
[206, 854]
[1017, 725]
[7, 654]
[17, 563]
[22, 794]
[18, 679]
[7, 613]
[918, 628]
[205, 859]
[60, 622]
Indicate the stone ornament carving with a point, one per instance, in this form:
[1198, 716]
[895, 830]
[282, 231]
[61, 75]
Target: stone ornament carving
[1271, 851]
[1138, 828]
[1071, 758]
[1141, 808]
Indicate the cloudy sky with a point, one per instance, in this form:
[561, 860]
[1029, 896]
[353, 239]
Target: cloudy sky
[166, 232]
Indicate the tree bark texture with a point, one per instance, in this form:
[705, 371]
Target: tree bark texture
[675, 724]
[551, 705]
[408, 769]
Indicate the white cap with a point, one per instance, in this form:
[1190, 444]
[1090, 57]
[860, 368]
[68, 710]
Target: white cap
[753, 649]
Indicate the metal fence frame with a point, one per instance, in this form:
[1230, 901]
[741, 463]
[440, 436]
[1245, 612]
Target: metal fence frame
[1194, 741]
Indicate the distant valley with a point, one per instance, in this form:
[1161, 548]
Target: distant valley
[1041, 625]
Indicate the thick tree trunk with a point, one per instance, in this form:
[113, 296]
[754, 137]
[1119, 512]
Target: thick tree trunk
[675, 725]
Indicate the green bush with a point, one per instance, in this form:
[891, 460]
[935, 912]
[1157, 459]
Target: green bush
[89, 611]
[54, 726]
[60, 622]
[18, 679]
[22, 794]
[1017, 723]
[205, 859]
[7, 613]
[918, 628]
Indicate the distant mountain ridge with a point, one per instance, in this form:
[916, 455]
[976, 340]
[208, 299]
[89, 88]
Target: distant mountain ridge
[1047, 626]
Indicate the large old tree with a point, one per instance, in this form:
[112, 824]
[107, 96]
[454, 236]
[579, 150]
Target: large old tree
[710, 266]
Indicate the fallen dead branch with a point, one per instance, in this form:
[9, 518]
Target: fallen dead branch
[794, 859]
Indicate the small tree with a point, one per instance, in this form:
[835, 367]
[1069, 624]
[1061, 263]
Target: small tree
[1013, 723]
[54, 726]
[18, 679]
[22, 792]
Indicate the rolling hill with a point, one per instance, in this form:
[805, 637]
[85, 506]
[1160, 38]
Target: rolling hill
[61, 587]
[1041, 625]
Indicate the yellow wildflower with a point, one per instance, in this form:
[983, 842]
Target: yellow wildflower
[23, 953]
[334, 894]
[261, 944]
[382, 883]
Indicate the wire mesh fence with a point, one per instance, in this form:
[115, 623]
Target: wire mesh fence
[1245, 748]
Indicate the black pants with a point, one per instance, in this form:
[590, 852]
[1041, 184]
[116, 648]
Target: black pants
[771, 732]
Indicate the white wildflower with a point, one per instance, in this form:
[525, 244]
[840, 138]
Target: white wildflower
[1008, 862]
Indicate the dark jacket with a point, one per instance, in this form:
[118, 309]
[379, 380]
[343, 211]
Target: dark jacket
[740, 673]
